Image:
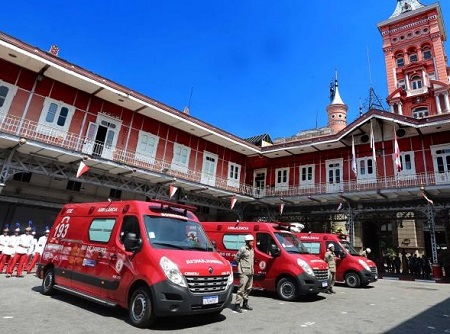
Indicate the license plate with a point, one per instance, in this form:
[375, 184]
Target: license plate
[210, 300]
[324, 284]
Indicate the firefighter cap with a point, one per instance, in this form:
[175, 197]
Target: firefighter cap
[330, 246]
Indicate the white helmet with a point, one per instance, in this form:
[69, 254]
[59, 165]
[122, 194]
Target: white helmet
[249, 237]
[368, 250]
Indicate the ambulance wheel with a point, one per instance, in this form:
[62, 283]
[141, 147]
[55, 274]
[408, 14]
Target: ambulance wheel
[48, 282]
[141, 309]
[287, 289]
[352, 280]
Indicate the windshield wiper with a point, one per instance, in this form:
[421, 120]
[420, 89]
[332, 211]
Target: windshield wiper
[168, 245]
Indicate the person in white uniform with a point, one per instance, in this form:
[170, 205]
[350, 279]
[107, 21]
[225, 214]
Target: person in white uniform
[39, 249]
[21, 256]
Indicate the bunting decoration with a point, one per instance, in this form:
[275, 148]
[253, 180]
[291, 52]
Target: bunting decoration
[281, 208]
[354, 168]
[82, 168]
[233, 202]
[398, 162]
[172, 191]
[372, 143]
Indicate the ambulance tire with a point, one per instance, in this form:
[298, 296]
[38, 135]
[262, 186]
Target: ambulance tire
[48, 282]
[287, 289]
[141, 309]
[352, 280]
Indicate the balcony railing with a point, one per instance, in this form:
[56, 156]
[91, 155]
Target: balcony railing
[25, 128]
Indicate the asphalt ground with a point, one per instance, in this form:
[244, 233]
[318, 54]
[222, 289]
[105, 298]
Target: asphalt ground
[387, 306]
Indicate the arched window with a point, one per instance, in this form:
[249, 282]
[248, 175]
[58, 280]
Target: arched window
[399, 60]
[420, 112]
[416, 82]
[426, 53]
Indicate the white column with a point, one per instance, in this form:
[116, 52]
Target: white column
[400, 111]
[391, 107]
[424, 78]
[447, 106]
[408, 85]
[438, 104]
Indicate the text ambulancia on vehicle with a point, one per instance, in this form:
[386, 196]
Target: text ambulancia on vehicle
[152, 258]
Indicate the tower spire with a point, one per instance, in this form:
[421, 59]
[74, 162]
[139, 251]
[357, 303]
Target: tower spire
[337, 109]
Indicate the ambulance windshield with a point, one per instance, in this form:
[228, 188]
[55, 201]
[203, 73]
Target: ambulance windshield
[173, 233]
[349, 247]
[291, 243]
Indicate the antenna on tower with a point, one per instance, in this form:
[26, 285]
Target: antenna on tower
[373, 101]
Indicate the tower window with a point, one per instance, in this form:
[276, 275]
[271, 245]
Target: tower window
[413, 57]
[416, 82]
[426, 54]
[400, 61]
[420, 112]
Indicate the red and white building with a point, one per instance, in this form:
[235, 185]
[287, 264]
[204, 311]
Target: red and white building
[55, 115]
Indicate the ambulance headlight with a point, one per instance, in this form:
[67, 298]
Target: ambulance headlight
[172, 272]
[230, 277]
[305, 266]
[364, 264]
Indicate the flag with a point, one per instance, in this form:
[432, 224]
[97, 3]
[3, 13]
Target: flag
[354, 168]
[172, 190]
[233, 202]
[281, 208]
[426, 197]
[82, 168]
[398, 163]
[372, 143]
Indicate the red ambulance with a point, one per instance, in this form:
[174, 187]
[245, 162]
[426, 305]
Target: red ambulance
[351, 268]
[282, 264]
[152, 258]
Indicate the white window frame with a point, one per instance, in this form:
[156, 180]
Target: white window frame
[338, 182]
[442, 152]
[144, 151]
[420, 112]
[180, 161]
[364, 174]
[4, 109]
[283, 174]
[209, 168]
[52, 128]
[309, 182]
[408, 171]
[234, 174]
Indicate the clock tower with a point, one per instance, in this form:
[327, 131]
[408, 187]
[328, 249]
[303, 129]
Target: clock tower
[415, 59]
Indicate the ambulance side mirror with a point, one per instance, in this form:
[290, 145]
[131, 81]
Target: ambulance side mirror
[274, 250]
[132, 243]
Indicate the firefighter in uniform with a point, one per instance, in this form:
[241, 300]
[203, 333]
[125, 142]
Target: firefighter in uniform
[39, 249]
[23, 244]
[330, 259]
[4, 238]
[245, 262]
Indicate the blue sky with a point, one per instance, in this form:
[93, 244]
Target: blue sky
[252, 66]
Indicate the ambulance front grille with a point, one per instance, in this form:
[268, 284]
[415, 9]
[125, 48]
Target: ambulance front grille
[206, 284]
[321, 274]
[374, 270]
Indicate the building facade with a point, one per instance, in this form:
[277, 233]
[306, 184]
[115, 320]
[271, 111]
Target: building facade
[383, 179]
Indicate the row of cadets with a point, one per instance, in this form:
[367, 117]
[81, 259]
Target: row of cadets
[9, 248]
[38, 249]
[21, 257]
